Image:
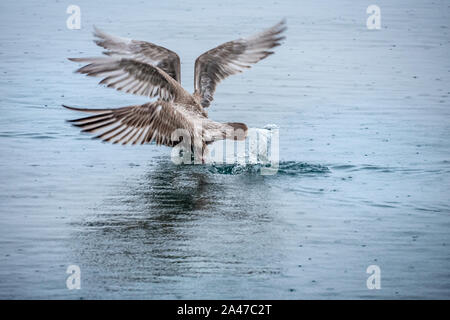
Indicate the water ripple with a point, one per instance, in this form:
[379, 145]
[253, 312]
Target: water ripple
[284, 168]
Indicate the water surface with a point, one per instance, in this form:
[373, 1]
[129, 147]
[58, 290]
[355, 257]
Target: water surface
[364, 148]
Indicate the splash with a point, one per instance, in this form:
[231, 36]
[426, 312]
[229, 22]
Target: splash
[261, 147]
[258, 154]
[285, 168]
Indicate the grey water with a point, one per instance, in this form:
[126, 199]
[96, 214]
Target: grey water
[364, 171]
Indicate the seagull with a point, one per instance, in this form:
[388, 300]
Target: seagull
[146, 69]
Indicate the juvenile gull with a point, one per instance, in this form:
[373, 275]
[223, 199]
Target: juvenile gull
[146, 69]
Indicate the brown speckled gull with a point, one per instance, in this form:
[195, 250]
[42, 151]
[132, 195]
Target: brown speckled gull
[146, 69]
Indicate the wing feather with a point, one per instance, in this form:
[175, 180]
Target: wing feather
[133, 76]
[233, 57]
[137, 124]
[142, 51]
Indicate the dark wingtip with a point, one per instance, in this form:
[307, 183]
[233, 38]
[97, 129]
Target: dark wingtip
[70, 108]
[282, 25]
[282, 22]
[77, 59]
[97, 32]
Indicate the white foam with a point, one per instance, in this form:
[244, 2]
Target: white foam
[260, 147]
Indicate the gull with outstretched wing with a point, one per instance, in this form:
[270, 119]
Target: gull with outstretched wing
[146, 69]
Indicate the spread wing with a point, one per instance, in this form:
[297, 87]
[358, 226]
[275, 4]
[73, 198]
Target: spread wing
[233, 57]
[133, 76]
[151, 122]
[142, 51]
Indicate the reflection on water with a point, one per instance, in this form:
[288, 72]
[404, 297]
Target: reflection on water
[182, 221]
[194, 231]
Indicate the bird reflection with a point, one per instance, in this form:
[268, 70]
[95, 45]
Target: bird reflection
[178, 221]
[174, 189]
